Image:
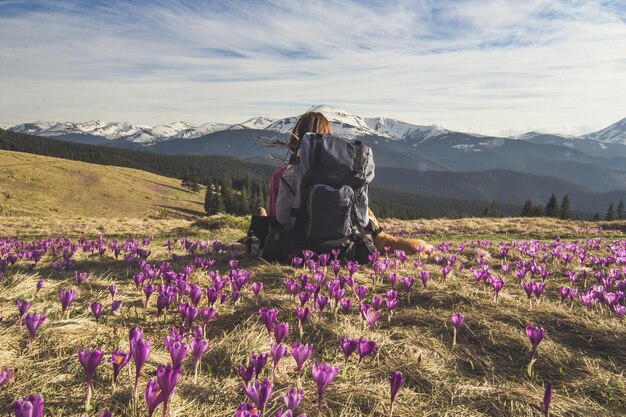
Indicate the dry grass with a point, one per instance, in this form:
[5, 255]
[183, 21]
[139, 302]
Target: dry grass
[45, 186]
[583, 354]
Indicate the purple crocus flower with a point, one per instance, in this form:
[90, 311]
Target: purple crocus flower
[247, 373]
[116, 306]
[280, 331]
[199, 346]
[547, 399]
[535, 334]
[5, 376]
[178, 353]
[258, 361]
[153, 396]
[81, 277]
[303, 315]
[96, 309]
[425, 276]
[66, 297]
[278, 351]
[22, 309]
[268, 317]
[293, 398]
[370, 315]
[445, 271]
[40, 285]
[259, 392]
[106, 413]
[366, 348]
[140, 351]
[167, 377]
[496, 284]
[323, 375]
[257, 287]
[396, 380]
[348, 346]
[457, 320]
[301, 353]
[113, 291]
[118, 360]
[32, 322]
[32, 406]
[89, 359]
[361, 292]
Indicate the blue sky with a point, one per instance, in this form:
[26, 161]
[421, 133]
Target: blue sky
[490, 66]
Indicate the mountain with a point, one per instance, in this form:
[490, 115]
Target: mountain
[616, 133]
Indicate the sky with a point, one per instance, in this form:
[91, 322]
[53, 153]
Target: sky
[485, 66]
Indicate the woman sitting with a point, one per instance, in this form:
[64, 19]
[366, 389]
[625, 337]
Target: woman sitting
[314, 122]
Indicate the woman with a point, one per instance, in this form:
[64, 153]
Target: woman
[317, 123]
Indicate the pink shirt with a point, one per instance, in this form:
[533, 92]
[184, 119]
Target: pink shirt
[273, 190]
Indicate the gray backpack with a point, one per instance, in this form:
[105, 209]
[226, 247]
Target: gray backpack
[322, 199]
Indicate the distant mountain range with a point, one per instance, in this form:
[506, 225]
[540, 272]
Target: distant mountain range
[427, 160]
[344, 124]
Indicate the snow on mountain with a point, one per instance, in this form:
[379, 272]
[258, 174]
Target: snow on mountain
[352, 126]
[258, 123]
[616, 133]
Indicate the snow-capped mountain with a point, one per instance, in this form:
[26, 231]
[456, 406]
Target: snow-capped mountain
[344, 124]
[616, 133]
[352, 126]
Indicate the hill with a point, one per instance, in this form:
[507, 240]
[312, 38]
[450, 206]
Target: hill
[44, 186]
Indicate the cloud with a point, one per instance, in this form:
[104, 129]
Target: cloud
[492, 66]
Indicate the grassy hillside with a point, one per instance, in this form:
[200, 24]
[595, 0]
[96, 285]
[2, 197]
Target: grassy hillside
[44, 186]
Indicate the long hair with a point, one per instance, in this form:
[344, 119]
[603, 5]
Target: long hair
[309, 122]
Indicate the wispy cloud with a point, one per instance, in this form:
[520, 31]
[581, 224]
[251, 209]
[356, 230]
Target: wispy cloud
[490, 66]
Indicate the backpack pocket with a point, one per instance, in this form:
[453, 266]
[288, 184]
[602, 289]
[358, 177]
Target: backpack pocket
[328, 212]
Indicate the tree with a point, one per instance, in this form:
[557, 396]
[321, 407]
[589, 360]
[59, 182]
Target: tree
[552, 208]
[621, 215]
[564, 212]
[596, 217]
[212, 199]
[610, 214]
[527, 209]
[491, 210]
[538, 211]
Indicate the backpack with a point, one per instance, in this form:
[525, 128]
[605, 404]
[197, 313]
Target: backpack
[322, 201]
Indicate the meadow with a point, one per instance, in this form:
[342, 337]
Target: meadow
[565, 277]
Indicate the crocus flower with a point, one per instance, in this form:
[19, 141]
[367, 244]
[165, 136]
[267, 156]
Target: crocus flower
[178, 353]
[257, 287]
[115, 306]
[32, 322]
[22, 308]
[81, 277]
[370, 315]
[153, 396]
[366, 348]
[259, 392]
[496, 284]
[258, 361]
[323, 375]
[106, 413]
[5, 376]
[118, 360]
[293, 398]
[280, 331]
[89, 360]
[113, 291]
[535, 334]
[457, 320]
[66, 297]
[547, 399]
[396, 381]
[301, 353]
[247, 373]
[140, 352]
[348, 346]
[32, 406]
[40, 285]
[199, 346]
[278, 351]
[268, 317]
[96, 309]
[167, 377]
